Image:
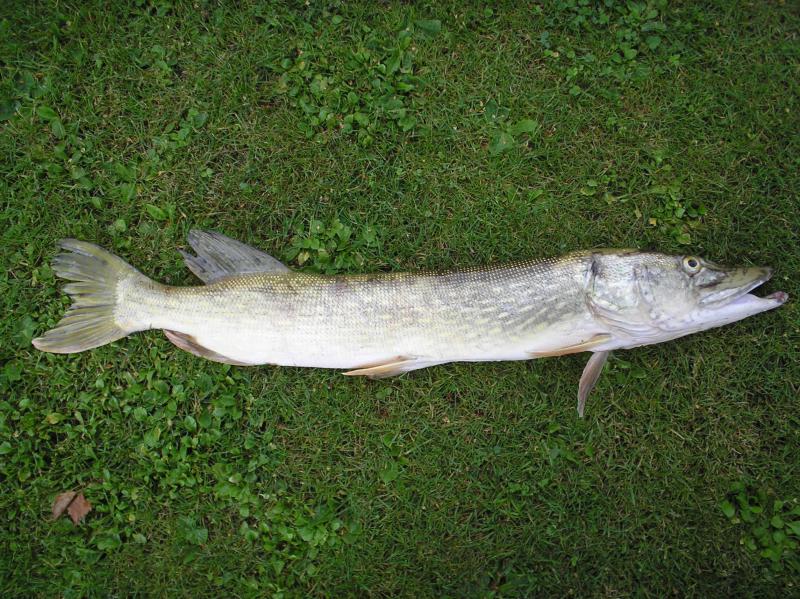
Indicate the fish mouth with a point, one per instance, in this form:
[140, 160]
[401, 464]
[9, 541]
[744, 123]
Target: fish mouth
[734, 290]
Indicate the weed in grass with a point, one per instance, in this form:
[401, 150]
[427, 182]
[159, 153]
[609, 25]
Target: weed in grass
[772, 525]
[331, 248]
[505, 134]
[364, 91]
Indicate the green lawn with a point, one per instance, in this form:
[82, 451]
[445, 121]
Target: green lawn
[347, 138]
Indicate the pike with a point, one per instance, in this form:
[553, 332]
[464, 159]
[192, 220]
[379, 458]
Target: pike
[254, 310]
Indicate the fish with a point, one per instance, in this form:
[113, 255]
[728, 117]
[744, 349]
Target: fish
[252, 309]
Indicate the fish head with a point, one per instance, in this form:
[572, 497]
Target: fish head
[654, 297]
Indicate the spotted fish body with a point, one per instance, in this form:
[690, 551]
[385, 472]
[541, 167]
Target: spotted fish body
[254, 310]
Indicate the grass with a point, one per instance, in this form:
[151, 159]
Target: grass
[345, 138]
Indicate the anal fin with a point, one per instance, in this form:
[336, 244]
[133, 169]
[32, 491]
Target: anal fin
[391, 367]
[587, 345]
[190, 344]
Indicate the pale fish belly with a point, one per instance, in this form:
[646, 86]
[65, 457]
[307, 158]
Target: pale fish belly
[298, 319]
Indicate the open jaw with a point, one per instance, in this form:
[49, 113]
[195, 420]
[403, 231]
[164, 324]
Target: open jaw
[773, 300]
[738, 298]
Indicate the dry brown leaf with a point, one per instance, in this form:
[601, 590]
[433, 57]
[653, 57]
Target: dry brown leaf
[61, 502]
[75, 504]
[79, 508]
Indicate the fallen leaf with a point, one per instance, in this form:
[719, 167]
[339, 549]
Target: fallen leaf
[75, 504]
[79, 508]
[61, 502]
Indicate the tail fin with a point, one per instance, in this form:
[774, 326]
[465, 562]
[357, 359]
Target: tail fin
[90, 320]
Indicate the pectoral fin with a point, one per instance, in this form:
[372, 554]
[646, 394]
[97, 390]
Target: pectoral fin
[598, 339]
[190, 344]
[391, 367]
[589, 377]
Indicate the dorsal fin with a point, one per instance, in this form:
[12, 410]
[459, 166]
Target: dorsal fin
[219, 256]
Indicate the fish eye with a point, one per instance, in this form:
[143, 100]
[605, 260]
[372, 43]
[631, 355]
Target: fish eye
[691, 265]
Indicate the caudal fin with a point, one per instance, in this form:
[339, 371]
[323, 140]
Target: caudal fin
[90, 320]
